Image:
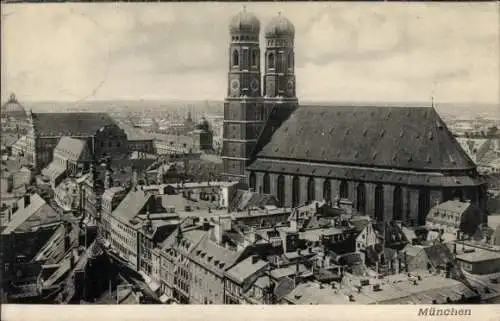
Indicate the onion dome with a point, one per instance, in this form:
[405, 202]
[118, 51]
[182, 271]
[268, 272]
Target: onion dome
[244, 22]
[13, 107]
[279, 26]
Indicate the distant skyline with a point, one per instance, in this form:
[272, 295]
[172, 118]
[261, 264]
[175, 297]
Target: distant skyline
[344, 51]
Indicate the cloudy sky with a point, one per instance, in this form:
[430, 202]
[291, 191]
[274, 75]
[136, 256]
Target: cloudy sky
[344, 51]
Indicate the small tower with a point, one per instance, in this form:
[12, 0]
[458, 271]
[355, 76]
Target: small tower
[243, 117]
[279, 74]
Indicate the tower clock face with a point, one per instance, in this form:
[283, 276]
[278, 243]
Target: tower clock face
[254, 85]
[290, 86]
[235, 85]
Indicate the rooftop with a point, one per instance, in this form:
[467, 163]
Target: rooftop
[131, 205]
[70, 124]
[452, 206]
[246, 268]
[478, 255]
[389, 137]
[38, 212]
[71, 148]
[391, 290]
[133, 133]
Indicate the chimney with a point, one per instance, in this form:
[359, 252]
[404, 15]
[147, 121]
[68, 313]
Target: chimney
[255, 259]
[317, 207]
[455, 248]
[27, 200]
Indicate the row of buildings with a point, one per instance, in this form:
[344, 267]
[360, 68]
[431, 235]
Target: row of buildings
[258, 253]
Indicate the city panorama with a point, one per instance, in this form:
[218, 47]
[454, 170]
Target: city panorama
[272, 154]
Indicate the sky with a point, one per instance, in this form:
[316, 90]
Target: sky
[391, 52]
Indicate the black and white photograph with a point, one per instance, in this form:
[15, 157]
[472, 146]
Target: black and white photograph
[251, 153]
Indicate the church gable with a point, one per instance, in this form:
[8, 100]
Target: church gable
[391, 137]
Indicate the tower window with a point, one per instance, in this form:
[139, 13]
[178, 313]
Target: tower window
[271, 60]
[290, 60]
[254, 58]
[236, 58]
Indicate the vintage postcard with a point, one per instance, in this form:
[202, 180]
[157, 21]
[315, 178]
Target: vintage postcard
[339, 156]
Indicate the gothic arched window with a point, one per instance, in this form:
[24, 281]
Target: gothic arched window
[236, 58]
[295, 191]
[311, 190]
[271, 60]
[397, 204]
[379, 202]
[290, 60]
[281, 190]
[344, 191]
[424, 204]
[327, 190]
[361, 198]
[266, 184]
[255, 58]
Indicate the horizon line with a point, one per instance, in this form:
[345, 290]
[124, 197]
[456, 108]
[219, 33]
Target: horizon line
[311, 101]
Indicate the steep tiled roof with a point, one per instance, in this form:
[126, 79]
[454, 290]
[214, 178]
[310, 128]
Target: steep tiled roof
[38, 212]
[131, 205]
[214, 256]
[246, 268]
[390, 137]
[70, 124]
[71, 148]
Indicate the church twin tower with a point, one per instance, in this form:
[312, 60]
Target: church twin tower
[249, 106]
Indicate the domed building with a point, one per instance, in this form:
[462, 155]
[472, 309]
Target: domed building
[12, 108]
[14, 116]
[390, 162]
[279, 26]
[244, 22]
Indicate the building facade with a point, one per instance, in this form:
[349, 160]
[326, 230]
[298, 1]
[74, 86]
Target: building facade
[243, 106]
[393, 163]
